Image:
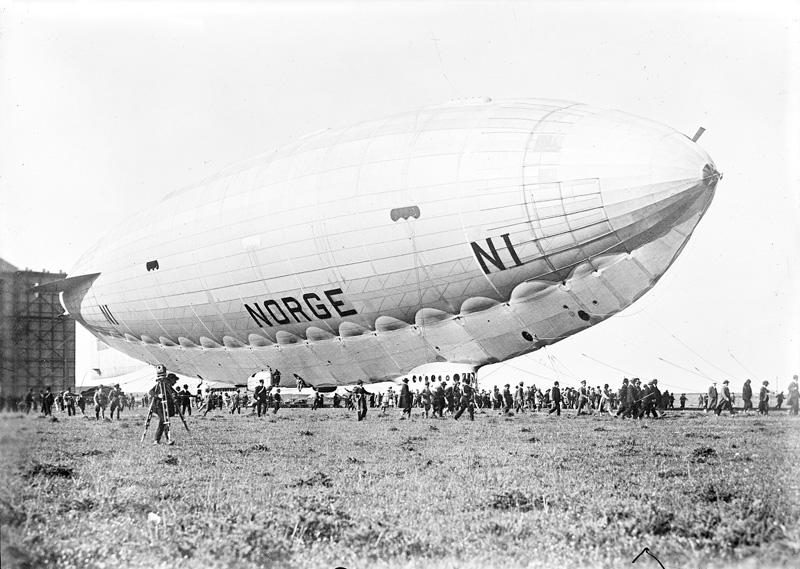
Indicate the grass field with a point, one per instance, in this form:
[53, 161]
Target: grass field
[318, 489]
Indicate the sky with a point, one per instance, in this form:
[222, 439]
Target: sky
[106, 107]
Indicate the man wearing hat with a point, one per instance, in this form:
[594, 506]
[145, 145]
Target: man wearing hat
[763, 399]
[711, 404]
[405, 399]
[583, 397]
[467, 401]
[555, 399]
[361, 400]
[519, 398]
[114, 397]
[747, 396]
[508, 399]
[724, 399]
[260, 397]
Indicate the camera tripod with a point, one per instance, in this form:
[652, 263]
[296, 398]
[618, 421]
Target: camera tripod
[164, 394]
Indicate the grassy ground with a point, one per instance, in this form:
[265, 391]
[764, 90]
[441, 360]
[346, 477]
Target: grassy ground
[318, 489]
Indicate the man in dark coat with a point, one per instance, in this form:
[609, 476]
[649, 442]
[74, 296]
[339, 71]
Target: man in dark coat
[260, 396]
[622, 396]
[405, 399]
[467, 402]
[711, 404]
[360, 395]
[763, 399]
[747, 396]
[555, 399]
[164, 386]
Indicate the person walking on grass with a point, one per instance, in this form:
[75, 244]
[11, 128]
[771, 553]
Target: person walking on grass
[683, 401]
[583, 399]
[519, 398]
[763, 399]
[405, 400]
[467, 402]
[69, 402]
[100, 402]
[360, 395]
[711, 402]
[236, 402]
[747, 396]
[114, 397]
[725, 401]
[260, 396]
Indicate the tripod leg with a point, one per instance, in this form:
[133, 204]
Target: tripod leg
[147, 423]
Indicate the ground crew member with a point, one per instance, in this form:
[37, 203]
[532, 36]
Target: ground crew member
[555, 400]
[69, 402]
[711, 403]
[114, 397]
[683, 401]
[157, 404]
[185, 400]
[276, 401]
[794, 397]
[724, 400]
[405, 399]
[583, 398]
[763, 399]
[747, 396]
[438, 400]
[634, 393]
[260, 397]
[236, 401]
[519, 398]
[624, 409]
[425, 398]
[100, 402]
[467, 402]
[508, 399]
[361, 400]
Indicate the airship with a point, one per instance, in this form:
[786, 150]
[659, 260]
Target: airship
[470, 232]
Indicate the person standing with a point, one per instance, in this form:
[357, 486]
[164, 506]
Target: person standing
[508, 399]
[747, 396]
[163, 387]
[711, 402]
[634, 397]
[114, 397]
[555, 399]
[683, 401]
[260, 397]
[467, 402]
[624, 409]
[763, 399]
[583, 398]
[361, 400]
[47, 402]
[405, 399]
[426, 397]
[779, 399]
[724, 399]
[185, 398]
[794, 397]
[69, 402]
[519, 398]
[236, 402]
[276, 401]
[100, 402]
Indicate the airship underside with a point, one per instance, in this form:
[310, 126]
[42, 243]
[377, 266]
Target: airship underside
[470, 232]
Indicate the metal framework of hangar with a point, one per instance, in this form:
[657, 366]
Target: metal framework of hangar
[37, 341]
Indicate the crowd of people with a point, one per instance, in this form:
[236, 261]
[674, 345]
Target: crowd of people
[435, 396]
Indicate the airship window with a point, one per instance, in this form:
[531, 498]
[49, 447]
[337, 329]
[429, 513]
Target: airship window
[583, 316]
[152, 266]
[405, 213]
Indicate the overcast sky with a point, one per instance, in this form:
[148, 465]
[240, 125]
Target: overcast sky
[106, 107]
